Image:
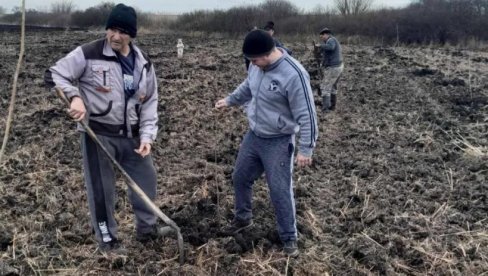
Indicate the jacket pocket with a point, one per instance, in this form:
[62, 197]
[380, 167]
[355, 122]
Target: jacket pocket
[101, 78]
[280, 124]
[103, 113]
[285, 125]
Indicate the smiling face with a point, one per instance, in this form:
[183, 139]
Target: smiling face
[119, 41]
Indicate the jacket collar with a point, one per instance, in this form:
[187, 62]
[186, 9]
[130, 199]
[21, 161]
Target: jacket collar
[109, 52]
[278, 61]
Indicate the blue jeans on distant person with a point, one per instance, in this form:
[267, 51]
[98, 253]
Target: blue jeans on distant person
[274, 156]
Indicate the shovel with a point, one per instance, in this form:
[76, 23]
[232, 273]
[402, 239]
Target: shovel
[132, 184]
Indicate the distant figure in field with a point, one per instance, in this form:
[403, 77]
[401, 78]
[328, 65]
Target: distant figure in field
[180, 47]
[269, 27]
[332, 67]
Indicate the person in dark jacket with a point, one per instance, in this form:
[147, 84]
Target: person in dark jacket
[332, 66]
[269, 27]
[117, 96]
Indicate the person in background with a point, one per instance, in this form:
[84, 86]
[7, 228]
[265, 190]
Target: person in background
[332, 67]
[280, 105]
[179, 48]
[117, 95]
[269, 27]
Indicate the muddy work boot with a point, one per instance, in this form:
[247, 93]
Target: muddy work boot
[155, 233]
[333, 101]
[235, 227]
[113, 247]
[291, 248]
[326, 103]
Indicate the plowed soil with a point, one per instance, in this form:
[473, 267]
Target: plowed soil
[398, 185]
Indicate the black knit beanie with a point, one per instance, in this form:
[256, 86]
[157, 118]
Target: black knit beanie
[269, 26]
[124, 18]
[257, 43]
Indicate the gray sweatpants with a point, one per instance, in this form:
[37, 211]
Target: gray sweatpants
[274, 156]
[331, 76]
[100, 183]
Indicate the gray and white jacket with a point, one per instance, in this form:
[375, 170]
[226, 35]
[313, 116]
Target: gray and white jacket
[280, 102]
[96, 69]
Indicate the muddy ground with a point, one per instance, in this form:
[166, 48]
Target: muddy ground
[398, 184]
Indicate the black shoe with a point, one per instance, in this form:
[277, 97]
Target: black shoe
[291, 249]
[236, 226]
[112, 247]
[326, 103]
[333, 101]
[155, 233]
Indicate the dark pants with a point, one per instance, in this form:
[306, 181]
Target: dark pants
[100, 183]
[274, 156]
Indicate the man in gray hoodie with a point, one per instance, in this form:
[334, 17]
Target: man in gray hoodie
[117, 96]
[333, 66]
[280, 105]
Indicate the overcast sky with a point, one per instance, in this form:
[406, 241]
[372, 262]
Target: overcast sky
[181, 6]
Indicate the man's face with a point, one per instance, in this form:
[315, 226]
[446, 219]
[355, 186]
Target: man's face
[261, 62]
[324, 36]
[118, 40]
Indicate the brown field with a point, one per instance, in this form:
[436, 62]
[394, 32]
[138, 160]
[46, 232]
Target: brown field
[398, 186]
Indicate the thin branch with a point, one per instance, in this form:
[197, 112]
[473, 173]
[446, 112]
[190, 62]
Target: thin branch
[14, 86]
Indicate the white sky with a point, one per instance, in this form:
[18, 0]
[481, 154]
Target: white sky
[181, 6]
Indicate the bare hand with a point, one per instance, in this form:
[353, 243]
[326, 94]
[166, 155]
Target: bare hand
[221, 103]
[77, 109]
[303, 161]
[144, 149]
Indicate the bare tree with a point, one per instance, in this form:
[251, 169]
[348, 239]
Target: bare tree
[61, 13]
[62, 7]
[93, 16]
[278, 9]
[480, 6]
[2, 10]
[352, 7]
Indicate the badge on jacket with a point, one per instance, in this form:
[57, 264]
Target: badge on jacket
[273, 85]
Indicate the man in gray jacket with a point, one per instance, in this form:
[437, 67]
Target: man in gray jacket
[333, 67]
[117, 96]
[280, 104]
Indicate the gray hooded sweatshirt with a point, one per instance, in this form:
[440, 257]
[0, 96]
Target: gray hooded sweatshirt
[280, 102]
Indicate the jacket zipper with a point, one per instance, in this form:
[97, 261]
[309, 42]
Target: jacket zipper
[126, 128]
[257, 97]
[125, 116]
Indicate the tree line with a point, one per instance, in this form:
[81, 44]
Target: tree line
[422, 21]
[64, 14]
